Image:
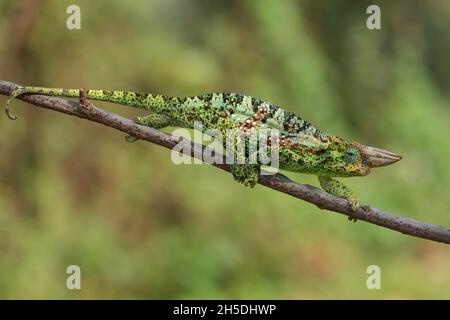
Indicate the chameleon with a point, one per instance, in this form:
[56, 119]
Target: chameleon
[302, 147]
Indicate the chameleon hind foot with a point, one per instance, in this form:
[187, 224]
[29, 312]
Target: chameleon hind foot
[156, 121]
[247, 174]
[338, 189]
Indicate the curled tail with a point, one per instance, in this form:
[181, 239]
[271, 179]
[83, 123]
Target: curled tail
[156, 103]
[47, 91]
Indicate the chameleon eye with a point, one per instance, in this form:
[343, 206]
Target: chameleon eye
[350, 155]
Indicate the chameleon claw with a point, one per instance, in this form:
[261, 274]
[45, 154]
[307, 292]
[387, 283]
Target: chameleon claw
[354, 202]
[247, 174]
[355, 205]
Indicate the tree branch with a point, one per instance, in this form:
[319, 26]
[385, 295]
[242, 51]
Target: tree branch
[277, 182]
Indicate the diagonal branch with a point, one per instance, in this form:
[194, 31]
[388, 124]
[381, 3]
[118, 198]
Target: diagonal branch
[277, 182]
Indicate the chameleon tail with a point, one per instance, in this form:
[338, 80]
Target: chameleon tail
[47, 91]
[151, 102]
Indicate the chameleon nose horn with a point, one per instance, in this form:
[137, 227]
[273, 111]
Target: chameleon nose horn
[378, 157]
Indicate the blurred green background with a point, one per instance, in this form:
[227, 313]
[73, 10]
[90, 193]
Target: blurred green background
[74, 192]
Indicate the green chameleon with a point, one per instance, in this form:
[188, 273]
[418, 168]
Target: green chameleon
[302, 147]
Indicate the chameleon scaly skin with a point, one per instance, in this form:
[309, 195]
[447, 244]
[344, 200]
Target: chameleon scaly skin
[302, 147]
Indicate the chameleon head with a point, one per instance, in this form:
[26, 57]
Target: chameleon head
[349, 158]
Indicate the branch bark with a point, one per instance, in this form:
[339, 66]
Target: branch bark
[277, 182]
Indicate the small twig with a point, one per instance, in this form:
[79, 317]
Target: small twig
[277, 182]
[83, 100]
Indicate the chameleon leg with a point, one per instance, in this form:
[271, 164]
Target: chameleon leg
[340, 190]
[247, 174]
[153, 120]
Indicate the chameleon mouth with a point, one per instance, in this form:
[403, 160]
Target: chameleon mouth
[376, 157]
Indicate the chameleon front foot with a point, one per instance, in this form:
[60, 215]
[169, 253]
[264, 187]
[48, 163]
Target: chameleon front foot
[338, 189]
[247, 174]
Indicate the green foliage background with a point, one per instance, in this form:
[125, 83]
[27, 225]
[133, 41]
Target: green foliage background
[74, 192]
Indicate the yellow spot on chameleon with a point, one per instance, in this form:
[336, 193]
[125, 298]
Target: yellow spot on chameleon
[351, 168]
